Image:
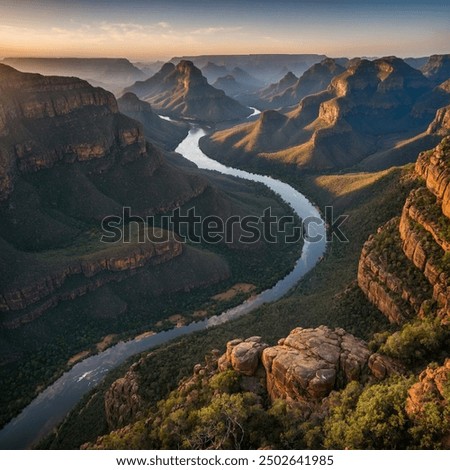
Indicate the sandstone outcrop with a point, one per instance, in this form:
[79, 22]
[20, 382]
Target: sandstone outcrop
[123, 402]
[382, 366]
[434, 167]
[441, 123]
[309, 363]
[303, 368]
[431, 389]
[242, 356]
[432, 386]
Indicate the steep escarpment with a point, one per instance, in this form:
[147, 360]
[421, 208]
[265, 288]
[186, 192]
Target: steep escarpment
[403, 268]
[182, 91]
[367, 112]
[437, 129]
[437, 69]
[63, 148]
[50, 277]
[387, 277]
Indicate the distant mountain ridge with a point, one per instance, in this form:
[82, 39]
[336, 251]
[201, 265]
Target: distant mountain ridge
[265, 67]
[315, 79]
[363, 108]
[112, 74]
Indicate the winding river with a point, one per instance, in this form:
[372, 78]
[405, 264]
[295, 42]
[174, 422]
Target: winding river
[50, 407]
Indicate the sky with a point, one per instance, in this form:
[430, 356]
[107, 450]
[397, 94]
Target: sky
[155, 29]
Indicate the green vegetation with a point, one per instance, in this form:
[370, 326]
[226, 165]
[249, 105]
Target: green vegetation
[38, 352]
[219, 413]
[361, 416]
[328, 295]
[418, 342]
[374, 418]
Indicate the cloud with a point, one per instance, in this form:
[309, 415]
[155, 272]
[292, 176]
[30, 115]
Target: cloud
[163, 24]
[217, 29]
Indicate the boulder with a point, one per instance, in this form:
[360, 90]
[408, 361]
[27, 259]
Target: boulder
[311, 362]
[242, 356]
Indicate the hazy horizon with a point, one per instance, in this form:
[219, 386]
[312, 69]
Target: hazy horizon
[155, 30]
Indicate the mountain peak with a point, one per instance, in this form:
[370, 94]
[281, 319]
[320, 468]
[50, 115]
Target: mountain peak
[186, 67]
[167, 68]
[186, 64]
[130, 97]
[289, 76]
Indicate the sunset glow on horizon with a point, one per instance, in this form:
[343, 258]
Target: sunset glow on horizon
[148, 30]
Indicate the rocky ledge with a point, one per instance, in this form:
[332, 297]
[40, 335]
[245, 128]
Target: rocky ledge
[392, 285]
[37, 296]
[406, 278]
[434, 167]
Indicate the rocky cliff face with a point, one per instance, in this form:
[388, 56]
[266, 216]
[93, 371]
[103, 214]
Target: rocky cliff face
[30, 101]
[418, 242]
[182, 91]
[441, 123]
[437, 69]
[123, 402]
